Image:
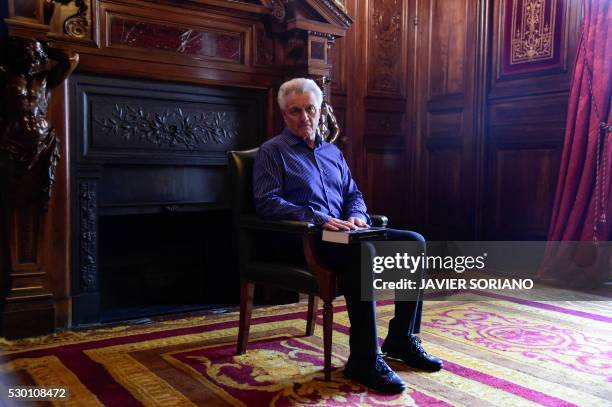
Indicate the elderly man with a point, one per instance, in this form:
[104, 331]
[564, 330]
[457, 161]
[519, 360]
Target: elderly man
[298, 176]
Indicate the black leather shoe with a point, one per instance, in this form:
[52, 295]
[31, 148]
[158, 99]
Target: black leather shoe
[411, 351]
[376, 375]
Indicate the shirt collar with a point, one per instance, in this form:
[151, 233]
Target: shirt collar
[292, 139]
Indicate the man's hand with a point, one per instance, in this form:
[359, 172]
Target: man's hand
[338, 224]
[350, 224]
[358, 222]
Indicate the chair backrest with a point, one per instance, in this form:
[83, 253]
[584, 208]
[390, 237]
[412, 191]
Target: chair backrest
[241, 175]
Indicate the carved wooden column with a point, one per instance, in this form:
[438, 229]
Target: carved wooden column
[28, 307]
[29, 153]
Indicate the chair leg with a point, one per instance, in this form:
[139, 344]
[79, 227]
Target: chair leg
[246, 308]
[313, 306]
[328, 319]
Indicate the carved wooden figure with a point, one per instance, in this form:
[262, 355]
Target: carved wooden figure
[29, 153]
[26, 136]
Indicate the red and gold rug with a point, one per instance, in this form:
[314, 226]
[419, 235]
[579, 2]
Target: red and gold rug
[510, 352]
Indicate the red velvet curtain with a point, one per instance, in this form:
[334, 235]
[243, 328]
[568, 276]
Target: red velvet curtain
[583, 207]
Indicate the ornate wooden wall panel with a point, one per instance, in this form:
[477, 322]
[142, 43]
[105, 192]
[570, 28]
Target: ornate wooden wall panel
[444, 106]
[386, 47]
[386, 197]
[337, 57]
[533, 47]
[522, 207]
[178, 37]
[445, 169]
[384, 26]
[467, 116]
[447, 44]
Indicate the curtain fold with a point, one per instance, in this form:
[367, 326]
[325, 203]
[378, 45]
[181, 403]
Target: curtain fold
[582, 208]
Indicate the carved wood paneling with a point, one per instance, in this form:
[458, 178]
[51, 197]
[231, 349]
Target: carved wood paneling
[530, 74]
[534, 109]
[386, 197]
[444, 123]
[386, 48]
[444, 193]
[264, 50]
[27, 224]
[525, 139]
[523, 190]
[172, 35]
[337, 58]
[26, 9]
[533, 44]
[446, 93]
[343, 97]
[231, 45]
[387, 123]
[463, 124]
[448, 33]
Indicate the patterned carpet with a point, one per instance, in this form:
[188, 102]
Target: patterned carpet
[511, 352]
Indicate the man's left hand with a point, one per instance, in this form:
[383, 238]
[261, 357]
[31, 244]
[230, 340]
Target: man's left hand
[360, 223]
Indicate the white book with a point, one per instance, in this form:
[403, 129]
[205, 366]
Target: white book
[350, 236]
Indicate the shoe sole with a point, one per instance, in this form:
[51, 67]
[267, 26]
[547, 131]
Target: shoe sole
[395, 356]
[386, 391]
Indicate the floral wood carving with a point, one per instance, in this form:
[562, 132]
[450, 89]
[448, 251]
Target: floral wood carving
[88, 236]
[170, 127]
[386, 46]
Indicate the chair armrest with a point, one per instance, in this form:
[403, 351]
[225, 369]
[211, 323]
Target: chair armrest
[379, 220]
[285, 226]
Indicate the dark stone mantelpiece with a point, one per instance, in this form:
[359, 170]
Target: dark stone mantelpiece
[142, 147]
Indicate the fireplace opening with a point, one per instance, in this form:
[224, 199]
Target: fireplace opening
[153, 264]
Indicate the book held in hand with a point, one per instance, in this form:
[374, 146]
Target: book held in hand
[355, 235]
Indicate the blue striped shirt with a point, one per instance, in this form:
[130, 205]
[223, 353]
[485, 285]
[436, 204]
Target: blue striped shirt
[294, 182]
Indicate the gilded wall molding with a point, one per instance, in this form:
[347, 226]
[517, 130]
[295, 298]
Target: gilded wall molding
[533, 31]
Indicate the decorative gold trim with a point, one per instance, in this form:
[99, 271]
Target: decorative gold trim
[534, 39]
[49, 371]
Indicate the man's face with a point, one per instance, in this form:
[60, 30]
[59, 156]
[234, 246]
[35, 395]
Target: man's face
[302, 115]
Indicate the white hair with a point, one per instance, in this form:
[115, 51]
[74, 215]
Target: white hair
[299, 85]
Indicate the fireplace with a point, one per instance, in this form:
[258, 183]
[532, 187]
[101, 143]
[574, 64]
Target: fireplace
[150, 210]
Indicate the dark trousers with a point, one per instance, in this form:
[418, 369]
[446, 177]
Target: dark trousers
[362, 314]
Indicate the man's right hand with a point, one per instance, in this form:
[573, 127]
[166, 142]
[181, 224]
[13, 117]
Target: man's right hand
[338, 224]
